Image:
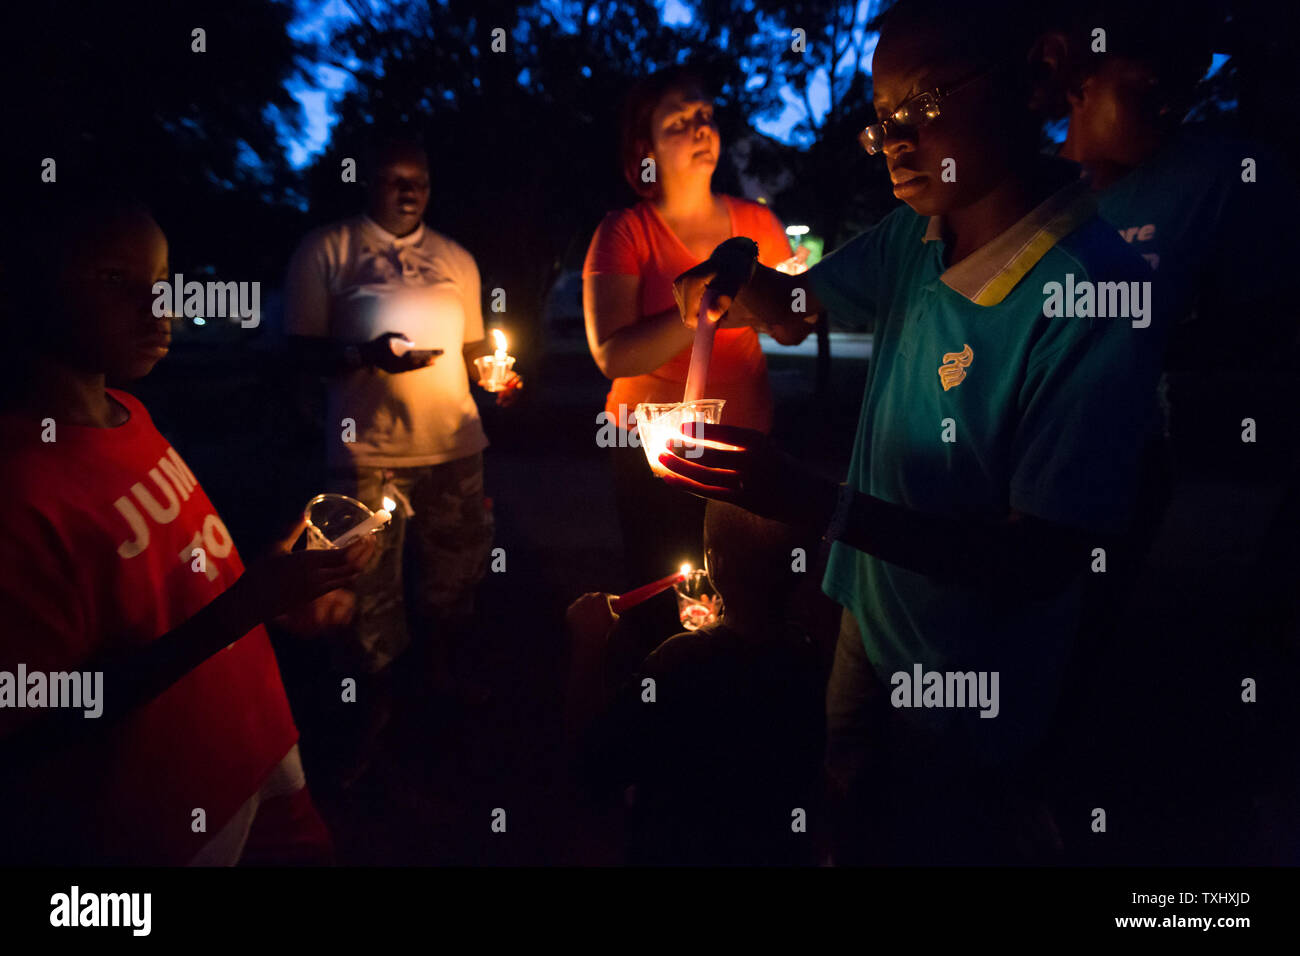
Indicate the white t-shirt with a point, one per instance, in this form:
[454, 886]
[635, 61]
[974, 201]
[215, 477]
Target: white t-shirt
[352, 281]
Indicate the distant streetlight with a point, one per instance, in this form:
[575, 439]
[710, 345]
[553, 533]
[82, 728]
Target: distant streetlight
[796, 230]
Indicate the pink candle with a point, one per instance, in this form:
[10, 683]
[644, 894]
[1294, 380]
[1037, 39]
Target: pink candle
[645, 592]
[702, 351]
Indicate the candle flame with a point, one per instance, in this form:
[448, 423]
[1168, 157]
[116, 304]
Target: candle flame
[686, 569]
[499, 338]
[390, 505]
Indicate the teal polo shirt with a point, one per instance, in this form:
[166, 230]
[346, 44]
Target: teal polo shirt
[978, 404]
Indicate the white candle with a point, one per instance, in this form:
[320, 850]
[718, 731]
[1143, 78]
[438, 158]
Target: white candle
[495, 368]
[371, 524]
[698, 375]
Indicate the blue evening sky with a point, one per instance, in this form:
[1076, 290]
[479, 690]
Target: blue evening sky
[322, 87]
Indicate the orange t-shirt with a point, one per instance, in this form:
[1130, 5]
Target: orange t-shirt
[638, 242]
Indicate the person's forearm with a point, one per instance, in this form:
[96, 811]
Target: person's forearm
[137, 678]
[1012, 554]
[321, 356]
[645, 345]
[163, 662]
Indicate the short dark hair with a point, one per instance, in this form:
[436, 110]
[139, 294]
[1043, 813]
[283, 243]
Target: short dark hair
[385, 147]
[54, 223]
[1175, 39]
[636, 137]
[982, 32]
[985, 34]
[51, 224]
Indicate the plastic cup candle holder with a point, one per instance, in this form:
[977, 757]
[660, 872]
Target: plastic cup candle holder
[698, 602]
[659, 423]
[335, 521]
[494, 369]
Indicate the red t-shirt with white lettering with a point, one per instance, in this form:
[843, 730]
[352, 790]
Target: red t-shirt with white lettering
[97, 535]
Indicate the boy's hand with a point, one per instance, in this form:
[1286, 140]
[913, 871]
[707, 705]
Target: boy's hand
[508, 394]
[728, 270]
[791, 331]
[379, 353]
[689, 288]
[329, 612]
[742, 466]
[590, 619]
[286, 579]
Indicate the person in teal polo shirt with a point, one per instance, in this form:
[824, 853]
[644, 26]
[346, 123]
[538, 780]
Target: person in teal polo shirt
[1005, 410]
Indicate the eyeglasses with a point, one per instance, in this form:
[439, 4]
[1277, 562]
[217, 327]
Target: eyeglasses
[913, 113]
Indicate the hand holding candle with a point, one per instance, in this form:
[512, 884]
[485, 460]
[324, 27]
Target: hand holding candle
[744, 467]
[646, 591]
[495, 371]
[369, 526]
[285, 580]
[394, 353]
[732, 264]
[657, 424]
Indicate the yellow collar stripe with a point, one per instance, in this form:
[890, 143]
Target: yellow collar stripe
[987, 276]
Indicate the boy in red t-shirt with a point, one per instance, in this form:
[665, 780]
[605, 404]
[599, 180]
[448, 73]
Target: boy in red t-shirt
[181, 749]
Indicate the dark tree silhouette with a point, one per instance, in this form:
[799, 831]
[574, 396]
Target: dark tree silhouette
[115, 93]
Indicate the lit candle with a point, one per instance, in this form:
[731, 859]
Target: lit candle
[369, 526]
[646, 591]
[493, 369]
[658, 424]
[654, 438]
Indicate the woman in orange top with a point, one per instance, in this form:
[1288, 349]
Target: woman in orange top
[633, 327]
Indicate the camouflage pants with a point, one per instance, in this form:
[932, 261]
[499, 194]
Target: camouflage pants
[426, 566]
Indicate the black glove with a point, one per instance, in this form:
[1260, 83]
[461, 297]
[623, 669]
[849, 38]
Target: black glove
[734, 261]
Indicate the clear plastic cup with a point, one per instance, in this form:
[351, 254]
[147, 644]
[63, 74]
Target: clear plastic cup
[698, 602]
[492, 374]
[659, 423]
[331, 516]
